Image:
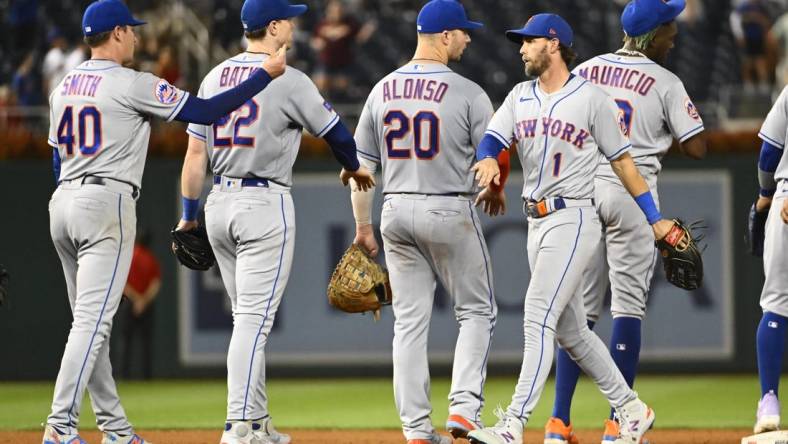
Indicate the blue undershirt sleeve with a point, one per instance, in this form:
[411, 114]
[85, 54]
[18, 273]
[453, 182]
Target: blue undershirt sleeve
[207, 111]
[767, 164]
[343, 146]
[490, 146]
[56, 164]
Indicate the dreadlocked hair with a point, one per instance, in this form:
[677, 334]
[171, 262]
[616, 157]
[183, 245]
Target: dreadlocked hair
[641, 42]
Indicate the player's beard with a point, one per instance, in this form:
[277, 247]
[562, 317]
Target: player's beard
[539, 64]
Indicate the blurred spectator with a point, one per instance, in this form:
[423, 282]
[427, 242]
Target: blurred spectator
[335, 38]
[21, 17]
[750, 24]
[142, 286]
[76, 56]
[54, 67]
[167, 66]
[26, 84]
[780, 34]
[693, 11]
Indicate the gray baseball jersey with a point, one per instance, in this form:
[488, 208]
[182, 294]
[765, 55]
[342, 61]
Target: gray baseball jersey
[100, 122]
[423, 122]
[656, 109]
[261, 138]
[775, 129]
[100, 119]
[559, 136]
[774, 297]
[653, 102]
[252, 228]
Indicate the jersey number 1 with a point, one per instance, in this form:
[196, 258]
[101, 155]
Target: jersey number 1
[421, 120]
[88, 130]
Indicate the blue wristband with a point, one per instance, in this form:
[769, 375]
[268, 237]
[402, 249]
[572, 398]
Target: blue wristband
[190, 207]
[767, 193]
[646, 203]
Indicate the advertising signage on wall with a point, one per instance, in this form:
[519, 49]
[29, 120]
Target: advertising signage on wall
[679, 326]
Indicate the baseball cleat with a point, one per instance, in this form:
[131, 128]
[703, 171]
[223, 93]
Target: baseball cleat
[508, 430]
[556, 432]
[239, 432]
[459, 426]
[611, 432]
[768, 414]
[436, 439]
[53, 436]
[264, 430]
[114, 438]
[635, 418]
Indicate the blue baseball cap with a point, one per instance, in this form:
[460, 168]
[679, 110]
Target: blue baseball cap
[443, 15]
[105, 15]
[550, 26]
[257, 14]
[642, 16]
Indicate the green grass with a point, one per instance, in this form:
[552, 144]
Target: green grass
[680, 402]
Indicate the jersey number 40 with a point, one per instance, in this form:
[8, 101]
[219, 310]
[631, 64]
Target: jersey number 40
[421, 123]
[88, 130]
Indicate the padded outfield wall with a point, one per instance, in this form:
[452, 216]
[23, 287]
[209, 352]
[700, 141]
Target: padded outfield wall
[710, 330]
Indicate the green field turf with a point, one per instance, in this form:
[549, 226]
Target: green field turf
[680, 402]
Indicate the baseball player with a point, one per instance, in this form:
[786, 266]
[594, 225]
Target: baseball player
[100, 125]
[249, 213]
[656, 109]
[422, 123]
[561, 123]
[773, 197]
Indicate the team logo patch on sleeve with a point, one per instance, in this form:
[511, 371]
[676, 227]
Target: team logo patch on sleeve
[690, 108]
[166, 93]
[328, 106]
[622, 123]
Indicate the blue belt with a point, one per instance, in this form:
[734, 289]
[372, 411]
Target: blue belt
[247, 182]
[539, 209]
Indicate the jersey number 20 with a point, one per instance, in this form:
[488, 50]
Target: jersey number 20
[88, 130]
[421, 121]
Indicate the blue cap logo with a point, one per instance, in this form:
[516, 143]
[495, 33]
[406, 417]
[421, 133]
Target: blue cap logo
[642, 16]
[443, 15]
[257, 14]
[550, 26]
[104, 15]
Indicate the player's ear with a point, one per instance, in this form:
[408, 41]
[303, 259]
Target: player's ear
[446, 37]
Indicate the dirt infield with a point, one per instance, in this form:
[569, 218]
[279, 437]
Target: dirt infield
[386, 437]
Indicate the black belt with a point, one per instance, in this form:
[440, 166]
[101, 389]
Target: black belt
[96, 180]
[247, 182]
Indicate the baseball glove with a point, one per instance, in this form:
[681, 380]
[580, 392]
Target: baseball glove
[681, 256]
[192, 248]
[3, 284]
[756, 231]
[358, 284]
